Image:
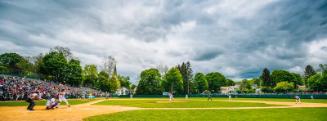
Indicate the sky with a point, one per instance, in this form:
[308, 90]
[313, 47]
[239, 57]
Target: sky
[237, 38]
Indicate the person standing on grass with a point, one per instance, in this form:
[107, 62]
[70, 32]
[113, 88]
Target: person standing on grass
[229, 97]
[171, 96]
[209, 95]
[297, 99]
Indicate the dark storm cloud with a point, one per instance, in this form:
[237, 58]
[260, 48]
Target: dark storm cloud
[206, 56]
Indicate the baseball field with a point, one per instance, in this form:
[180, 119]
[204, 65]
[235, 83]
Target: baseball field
[161, 109]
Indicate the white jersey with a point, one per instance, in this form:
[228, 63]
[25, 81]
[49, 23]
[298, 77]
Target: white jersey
[62, 95]
[51, 102]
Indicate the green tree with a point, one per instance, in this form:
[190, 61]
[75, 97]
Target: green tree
[124, 81]
[297, 80]
[257, 81]
[323, 81]
[318, 82]
[308, 72]
[13, 63]
[175, 80]
[38, 63]
[215, 81]
[90, 75]
[282, 75]
[149, 83]
[245, 86]
[230, 82]
[114, 83]
[3, 69]
[54, 66]
[201, 82]
[266, 79]
[74, 73]
[187, 74]
[26, 68]
[103, 81]
[284, 87]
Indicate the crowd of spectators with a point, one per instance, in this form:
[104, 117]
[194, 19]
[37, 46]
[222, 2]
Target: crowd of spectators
[18, 88]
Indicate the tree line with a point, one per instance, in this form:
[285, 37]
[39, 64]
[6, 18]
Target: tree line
[59, 65]
[283, 81]
[180, 80]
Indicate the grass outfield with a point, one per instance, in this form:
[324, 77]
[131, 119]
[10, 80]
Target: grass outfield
[291, 114]
[253, 99]
[42, 102]
[283, 100]
[179, 103]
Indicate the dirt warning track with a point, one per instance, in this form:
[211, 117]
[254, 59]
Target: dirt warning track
[79, 112]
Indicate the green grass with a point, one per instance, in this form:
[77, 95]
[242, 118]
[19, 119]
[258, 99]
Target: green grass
[292, 114]
[179, 103]
[283, 100]
[41, 102]
[255, 99]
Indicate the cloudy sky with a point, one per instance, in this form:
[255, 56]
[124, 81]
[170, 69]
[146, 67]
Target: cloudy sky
[235, 37]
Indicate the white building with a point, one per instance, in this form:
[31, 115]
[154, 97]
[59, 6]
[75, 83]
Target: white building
[229, 89]
[122, 91]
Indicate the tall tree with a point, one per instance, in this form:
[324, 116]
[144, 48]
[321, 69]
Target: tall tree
[201, 82]
[323, 81]
[103, 81]
[149, 83]
[265, 77]
[282, 75]
[13, 63]
[215, 81]
[38, 63]
[318, 82]
[114, 83]
[54, 66]
[308, 72]
[90, 75]
[187, 75]
[74, 73]
[175, 80]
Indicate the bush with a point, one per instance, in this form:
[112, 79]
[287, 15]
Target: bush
[284, 87]
[266, 89]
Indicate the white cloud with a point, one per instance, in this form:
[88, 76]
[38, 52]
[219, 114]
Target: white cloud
[317, 51]
[234, 37]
